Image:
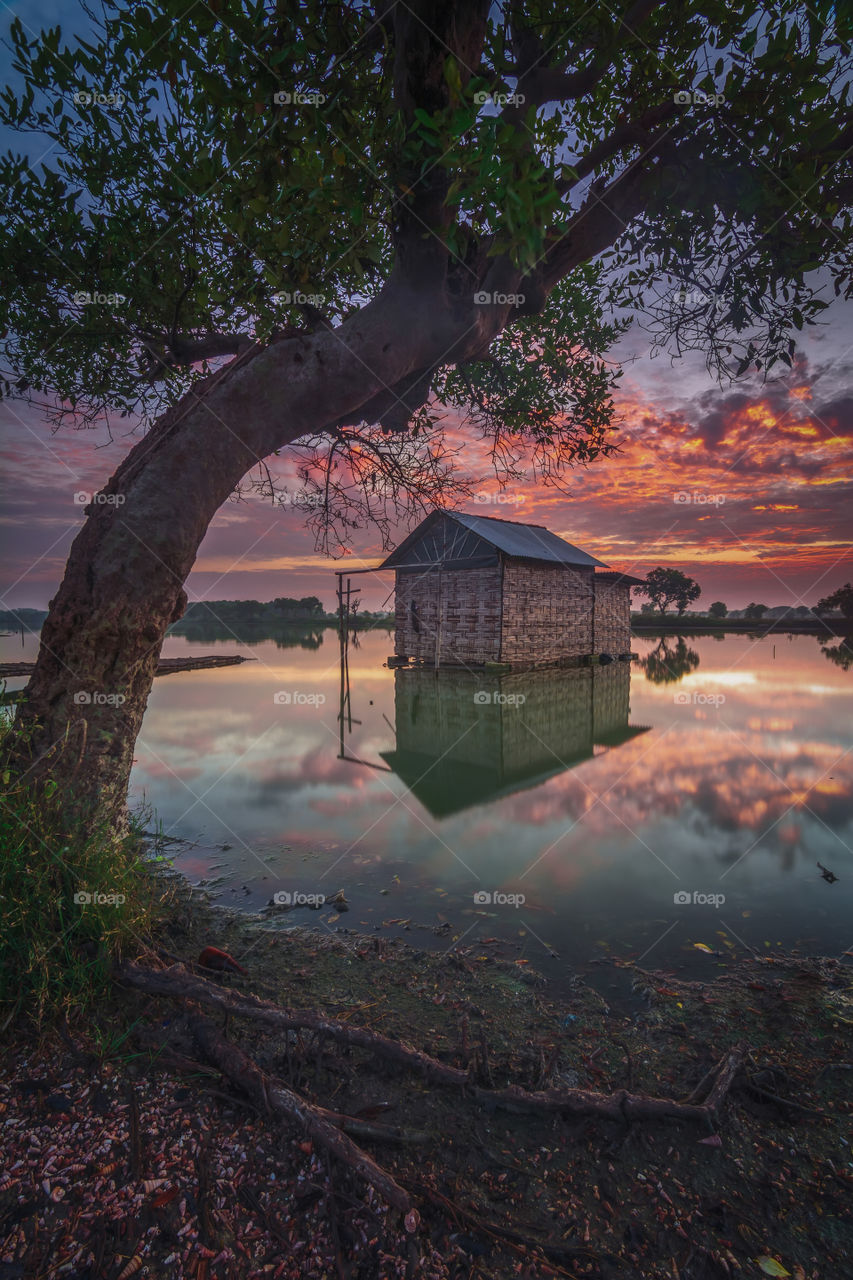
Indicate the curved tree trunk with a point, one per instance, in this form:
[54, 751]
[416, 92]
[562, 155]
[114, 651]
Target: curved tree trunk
[124, 580]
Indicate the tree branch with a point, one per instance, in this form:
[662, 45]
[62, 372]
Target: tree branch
[539, 83]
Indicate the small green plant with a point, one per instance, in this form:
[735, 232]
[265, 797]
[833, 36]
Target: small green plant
[73, 895]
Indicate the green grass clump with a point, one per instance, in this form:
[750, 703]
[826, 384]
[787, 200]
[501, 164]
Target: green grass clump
[56, 949]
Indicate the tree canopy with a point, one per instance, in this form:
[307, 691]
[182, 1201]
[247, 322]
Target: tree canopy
[665, 587]
[231, 173]
[841, 599]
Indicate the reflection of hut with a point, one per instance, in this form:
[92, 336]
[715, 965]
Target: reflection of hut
[473, 589]
[464, 739]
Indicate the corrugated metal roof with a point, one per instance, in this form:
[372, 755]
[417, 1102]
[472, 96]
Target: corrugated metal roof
[625, 578]
[529, 541]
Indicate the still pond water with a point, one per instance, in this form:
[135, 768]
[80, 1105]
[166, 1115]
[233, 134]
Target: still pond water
[718, 769]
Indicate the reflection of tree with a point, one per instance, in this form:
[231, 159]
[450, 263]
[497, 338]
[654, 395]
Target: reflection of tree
[841, 654]
[292, 636]
[668, 662]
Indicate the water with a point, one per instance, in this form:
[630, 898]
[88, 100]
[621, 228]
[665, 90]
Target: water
[716, 767]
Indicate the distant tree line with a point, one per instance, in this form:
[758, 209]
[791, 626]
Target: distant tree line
[672, 589]
[16, 619]
[284, 609]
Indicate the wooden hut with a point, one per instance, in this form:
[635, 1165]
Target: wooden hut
[472, 590]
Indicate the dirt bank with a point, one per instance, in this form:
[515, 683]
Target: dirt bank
[498, 1194]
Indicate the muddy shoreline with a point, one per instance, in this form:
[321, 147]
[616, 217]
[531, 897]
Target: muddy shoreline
[241, 1196]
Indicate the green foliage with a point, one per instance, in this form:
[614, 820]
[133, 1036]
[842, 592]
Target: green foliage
[718, 609]
[307, 607]
[55, 951]
[841, 599]
[669, 586]
[547, 381]
[246, 611]
[755, 612]
[247, 165]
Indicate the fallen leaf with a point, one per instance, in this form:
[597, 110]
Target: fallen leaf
[702, 946]
[771, 1267]
[165, 1197]
[413, 1218]
[371, 1112]
[714, 1141]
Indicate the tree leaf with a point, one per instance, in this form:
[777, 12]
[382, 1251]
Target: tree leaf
[771, 1267]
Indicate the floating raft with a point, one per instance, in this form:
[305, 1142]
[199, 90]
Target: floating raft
[165, 666]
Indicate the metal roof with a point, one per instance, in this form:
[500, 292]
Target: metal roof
[529, 541]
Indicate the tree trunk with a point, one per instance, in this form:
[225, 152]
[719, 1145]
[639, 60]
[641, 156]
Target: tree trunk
[124, 580]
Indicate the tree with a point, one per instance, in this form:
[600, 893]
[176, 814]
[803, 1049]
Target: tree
[718, 609]
[841, 599]
[755, 612]
[307, 607]
[380, 215]
[312, 605]
[669, 586]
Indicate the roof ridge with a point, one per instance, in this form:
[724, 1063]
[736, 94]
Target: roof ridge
[521, 524]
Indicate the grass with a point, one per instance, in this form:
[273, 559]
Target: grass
[73, 896]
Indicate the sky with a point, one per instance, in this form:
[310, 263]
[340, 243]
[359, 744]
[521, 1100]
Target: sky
[747, 488]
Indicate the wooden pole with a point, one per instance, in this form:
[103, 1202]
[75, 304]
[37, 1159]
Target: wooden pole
[346, 659]
[342, 638]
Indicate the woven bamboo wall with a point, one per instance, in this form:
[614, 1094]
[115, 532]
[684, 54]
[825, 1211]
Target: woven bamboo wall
[612, 631]
[470, 615]
[547, 613]
[528, 615]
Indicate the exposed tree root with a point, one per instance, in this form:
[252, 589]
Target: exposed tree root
[277, 1100]
[622, 1105]
[330, 1129]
